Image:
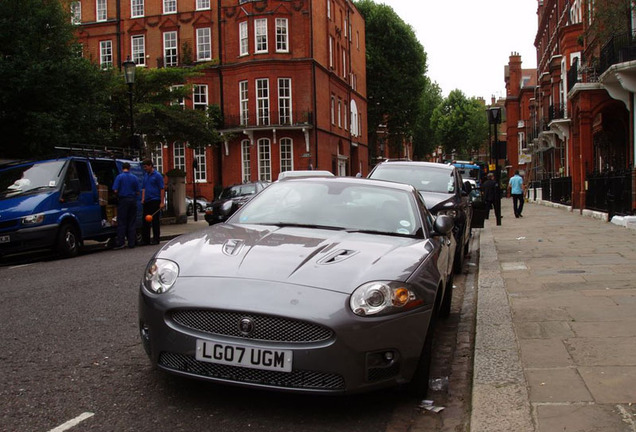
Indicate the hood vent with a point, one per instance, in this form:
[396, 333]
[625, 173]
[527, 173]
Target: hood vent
[338, 256]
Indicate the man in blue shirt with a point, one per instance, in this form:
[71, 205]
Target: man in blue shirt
[152, 199]
[516, 189]
[126, 186]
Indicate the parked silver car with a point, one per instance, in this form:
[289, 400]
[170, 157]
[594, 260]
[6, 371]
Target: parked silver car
[317, 285]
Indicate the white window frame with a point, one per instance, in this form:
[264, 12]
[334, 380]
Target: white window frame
[344, 63]
[204, 44]
[200, 174]
[264, 159]
[282, 35]
[203, 4]
[180, 100]
[178, 153]
[200, 97]
[339, 113]
[170, 49]
[333, 110]
[286, 154]
[106, 54]
[260, 36]
[157, 158]
[244, 100]
[136, 8]
[262, 102]
[331, 41]
[76, 12]
[169, 7]
[244, 42]
[329, 9]
[285, 101]
[354, 118]
[138, 49]
[101, 10]
[246, 167]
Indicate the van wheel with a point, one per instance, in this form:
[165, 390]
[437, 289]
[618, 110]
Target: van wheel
[68, 241]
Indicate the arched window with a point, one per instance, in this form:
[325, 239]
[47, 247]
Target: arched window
[354, 119]
[286, 154]
[264, 159]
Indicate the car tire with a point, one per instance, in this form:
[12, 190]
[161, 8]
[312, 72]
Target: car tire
[189, 210]
[419, 384]
[458, 261]
[68, 241]
[445, 307]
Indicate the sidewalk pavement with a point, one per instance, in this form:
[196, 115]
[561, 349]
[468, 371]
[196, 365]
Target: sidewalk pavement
[555, 343]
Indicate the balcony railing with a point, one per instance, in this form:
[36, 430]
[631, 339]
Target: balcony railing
[300, 118]
[619, 49]
[556, 112]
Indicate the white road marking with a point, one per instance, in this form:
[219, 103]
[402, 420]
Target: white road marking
[72, 423]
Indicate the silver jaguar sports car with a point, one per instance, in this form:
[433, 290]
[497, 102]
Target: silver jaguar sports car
[317, 285]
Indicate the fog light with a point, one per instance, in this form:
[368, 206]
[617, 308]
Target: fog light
[388, 356]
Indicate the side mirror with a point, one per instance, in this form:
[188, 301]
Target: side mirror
[226, 208]
[443, 225]
[468, 187]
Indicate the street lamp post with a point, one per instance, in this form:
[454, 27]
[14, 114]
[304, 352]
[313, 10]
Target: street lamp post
[195, 165]
[130, 68]
[494, 118]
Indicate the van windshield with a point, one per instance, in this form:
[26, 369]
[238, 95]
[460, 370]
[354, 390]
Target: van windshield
[28, 178]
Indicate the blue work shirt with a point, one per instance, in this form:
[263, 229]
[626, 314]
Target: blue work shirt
[152, 185]
[126, 185]
[516, 185]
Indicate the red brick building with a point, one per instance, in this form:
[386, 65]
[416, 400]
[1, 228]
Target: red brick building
[289, 76]
[579, 125]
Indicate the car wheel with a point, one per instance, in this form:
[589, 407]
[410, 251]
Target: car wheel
[189, 210]
[445, 307]
[68, 241]
[419, 383]
[458, 262]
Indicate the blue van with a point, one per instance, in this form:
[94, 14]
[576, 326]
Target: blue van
[59, 203]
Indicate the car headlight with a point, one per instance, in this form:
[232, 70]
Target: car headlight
[33, 219]
[160, 275]
[448, 212]
[383, 298]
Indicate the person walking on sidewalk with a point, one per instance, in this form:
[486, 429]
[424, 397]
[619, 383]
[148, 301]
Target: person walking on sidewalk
[516, 190]
[489, 188]
[152, 199]
[126, 186]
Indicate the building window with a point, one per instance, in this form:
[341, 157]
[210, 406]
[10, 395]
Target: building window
[344, 63]
[76, 12]
[244, 102]
[339, 112]
[286, 154]
[262, 101]
[354, 118]
[260, 35]
[180, 100]
[282, 32]
[204, 44]
[333, 110]
[101, 11]
[106, 54]
[138, 44]
[264, 160]
[200, 172]
[179, 156]
[203, 4]
[169, 6]
[170, 57]
[284, 101]
[331, 52]
[136, 8]
[329, 9]
[246, 161]
[243, 37]
[200, 97]
[157, 159]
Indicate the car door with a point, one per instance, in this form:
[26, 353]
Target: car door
[83, 201]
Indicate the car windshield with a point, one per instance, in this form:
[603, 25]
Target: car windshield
[238, 190]
[28, 178]
[422, 178]
[333, 205]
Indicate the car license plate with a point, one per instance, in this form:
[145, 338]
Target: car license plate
[244, 356]
[5, 239]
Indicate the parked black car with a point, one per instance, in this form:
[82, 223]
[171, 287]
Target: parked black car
[231, 199]
[443, 191]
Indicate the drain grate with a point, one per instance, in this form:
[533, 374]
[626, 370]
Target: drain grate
[571, 271]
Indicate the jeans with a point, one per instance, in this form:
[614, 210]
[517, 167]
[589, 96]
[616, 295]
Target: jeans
[517, 203]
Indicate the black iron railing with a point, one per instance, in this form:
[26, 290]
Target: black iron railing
[273, 119]
[610, 192]
[557, 112]
[557, 190]
[619, 49]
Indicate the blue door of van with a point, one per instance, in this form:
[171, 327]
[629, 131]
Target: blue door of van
[82, 203]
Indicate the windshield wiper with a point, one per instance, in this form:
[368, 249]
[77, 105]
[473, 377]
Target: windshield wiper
[388, 233]
[301, 225]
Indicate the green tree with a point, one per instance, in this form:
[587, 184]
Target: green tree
[461, 124]
[424, 136]
[611, 18]
[396, 67]
[49, 95]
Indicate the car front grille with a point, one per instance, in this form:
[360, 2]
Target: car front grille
[296, 379]
[265, 328]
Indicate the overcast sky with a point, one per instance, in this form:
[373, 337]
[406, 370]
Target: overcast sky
[468, 42]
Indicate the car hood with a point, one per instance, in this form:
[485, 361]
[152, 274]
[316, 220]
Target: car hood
[435, 201]
[333, 260]
[26, 204]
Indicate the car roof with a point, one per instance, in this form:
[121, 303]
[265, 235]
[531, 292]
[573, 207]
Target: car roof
[355, 180]
[421, 164]
[304, 173]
